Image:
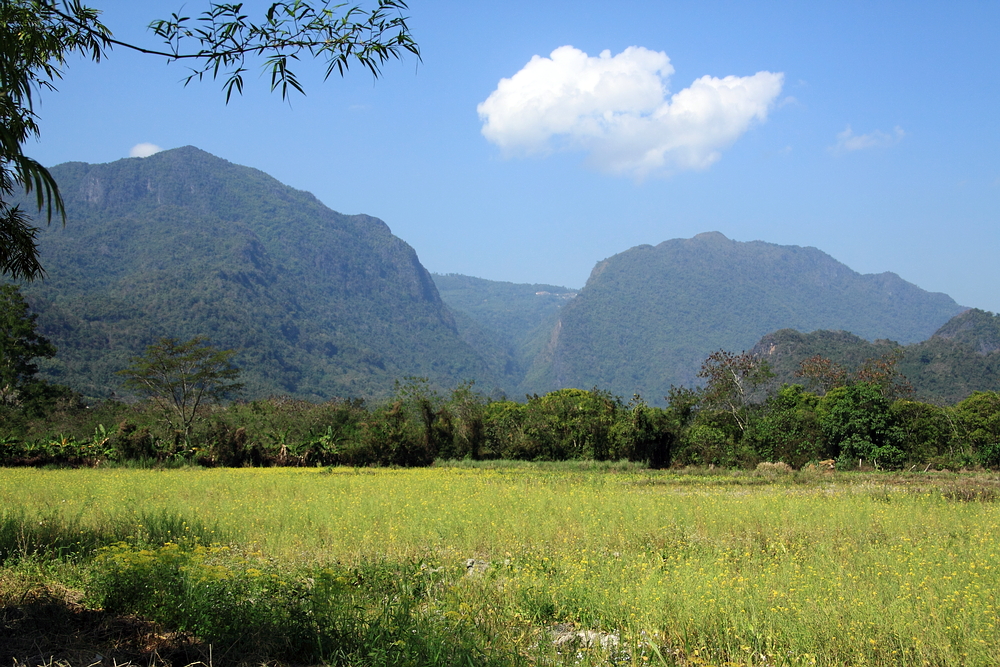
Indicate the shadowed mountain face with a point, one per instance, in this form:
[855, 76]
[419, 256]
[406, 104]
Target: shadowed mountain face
[649, 316]
[317, 303]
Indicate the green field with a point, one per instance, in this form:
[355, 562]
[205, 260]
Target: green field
[523, 564]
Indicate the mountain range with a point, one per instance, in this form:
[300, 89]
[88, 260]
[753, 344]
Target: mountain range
[649, 316]
[182, 243]
[319, 304]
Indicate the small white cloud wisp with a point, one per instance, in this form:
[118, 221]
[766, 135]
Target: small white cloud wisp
[144, 150]
[620, 111]
[847, 141]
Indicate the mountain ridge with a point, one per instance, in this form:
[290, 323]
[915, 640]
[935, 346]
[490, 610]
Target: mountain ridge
[323, 304]
[183, 243]
[650, 315]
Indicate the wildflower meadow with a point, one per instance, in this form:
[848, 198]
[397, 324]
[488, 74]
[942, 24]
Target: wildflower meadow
[523, 564]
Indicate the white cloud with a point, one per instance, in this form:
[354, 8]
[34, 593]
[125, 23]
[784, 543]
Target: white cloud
[847, 141]
[144, 150]
[619, 109]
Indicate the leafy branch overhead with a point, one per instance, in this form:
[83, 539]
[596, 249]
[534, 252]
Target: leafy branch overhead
[37, 36]
[225, 38]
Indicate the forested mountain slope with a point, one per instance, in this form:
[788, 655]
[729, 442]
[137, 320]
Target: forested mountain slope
[507, 323]
[648, 317]
[963, 356]
[317, 303]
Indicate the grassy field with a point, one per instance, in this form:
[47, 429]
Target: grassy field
[522, 564]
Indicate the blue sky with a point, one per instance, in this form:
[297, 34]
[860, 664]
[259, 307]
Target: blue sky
[871, 133]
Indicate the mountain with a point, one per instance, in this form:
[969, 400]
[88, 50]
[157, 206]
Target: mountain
[961, 357]
[507, 323]
[182, 243]
[976, 329]
[649, 316]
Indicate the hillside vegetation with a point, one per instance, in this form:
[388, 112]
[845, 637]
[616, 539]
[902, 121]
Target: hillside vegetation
[649, 316]
[961, 357]
[317, 304]
[320, 305]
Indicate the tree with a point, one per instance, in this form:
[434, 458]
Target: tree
[859, 424]
[20, 345]
[978, 418]
[181, 377]
[37, 36]
[34, 43]
[732, 380]
[788, 428]
[823, 374]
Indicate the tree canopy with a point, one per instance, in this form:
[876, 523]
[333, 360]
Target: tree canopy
[181, 377]
[37, 37]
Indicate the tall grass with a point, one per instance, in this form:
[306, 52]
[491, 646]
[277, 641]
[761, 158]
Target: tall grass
[684, 568]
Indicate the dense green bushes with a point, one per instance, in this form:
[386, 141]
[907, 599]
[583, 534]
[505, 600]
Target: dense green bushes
[857, 424]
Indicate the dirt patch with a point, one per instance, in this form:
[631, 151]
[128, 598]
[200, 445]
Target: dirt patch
[48, 627]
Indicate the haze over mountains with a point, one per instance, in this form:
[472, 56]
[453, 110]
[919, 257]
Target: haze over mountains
[321, 304]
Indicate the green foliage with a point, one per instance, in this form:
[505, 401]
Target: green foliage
[23, 395]
[35, 40]
[20, 345]
[575, 424]
[462, 428]
[644, 433]
[927, 431]
[239, 602]
[37, 36]
[731, 380]
[707, 445]
[564, 424]
[505, 436]
[858, 423]
[52, 534]
[961, 357]
[788, 429]
[181, 378]
[978, 417]
[342, 37]
[371, 614]
[571, 424]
